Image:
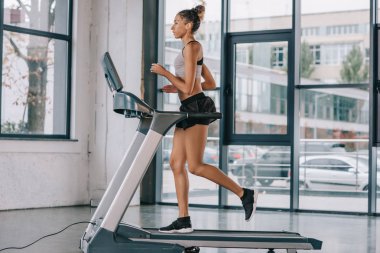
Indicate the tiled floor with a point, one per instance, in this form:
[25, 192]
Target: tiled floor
[339, 233]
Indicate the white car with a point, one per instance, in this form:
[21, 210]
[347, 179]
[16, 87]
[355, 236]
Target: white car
[335, 173]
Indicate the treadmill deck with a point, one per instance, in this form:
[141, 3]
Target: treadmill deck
[222, 239]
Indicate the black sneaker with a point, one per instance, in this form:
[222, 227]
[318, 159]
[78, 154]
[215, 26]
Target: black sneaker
[249, 201]
[181, 225]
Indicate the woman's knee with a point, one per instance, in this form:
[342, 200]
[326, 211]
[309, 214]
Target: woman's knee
[177, 166]
[195, 169]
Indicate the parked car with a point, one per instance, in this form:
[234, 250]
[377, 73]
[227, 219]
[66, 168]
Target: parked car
[274, 164]
[335, 172]
[211, 156]
[242, 152]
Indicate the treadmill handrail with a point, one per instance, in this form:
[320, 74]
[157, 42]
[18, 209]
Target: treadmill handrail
[164, 120]
[195, 115]
[204, 115]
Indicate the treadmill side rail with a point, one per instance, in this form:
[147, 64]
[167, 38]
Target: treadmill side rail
[106, 241]
[225, 238]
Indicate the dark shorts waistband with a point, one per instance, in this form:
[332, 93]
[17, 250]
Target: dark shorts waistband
[193, 98]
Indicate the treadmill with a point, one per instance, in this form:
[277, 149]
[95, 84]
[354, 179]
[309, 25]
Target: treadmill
[106, 233]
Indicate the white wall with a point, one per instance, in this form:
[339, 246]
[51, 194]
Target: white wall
[116, 28]
[62, 173]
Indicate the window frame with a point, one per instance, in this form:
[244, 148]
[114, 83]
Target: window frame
[52, 35]
[231, 138]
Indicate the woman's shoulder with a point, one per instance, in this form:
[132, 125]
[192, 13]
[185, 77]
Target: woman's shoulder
[193, 42]
[193, 45]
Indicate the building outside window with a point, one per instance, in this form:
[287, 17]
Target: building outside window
[335, 54]
[310, 31]
[342, 29]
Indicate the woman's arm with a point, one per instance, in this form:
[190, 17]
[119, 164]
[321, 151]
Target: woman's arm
[186, 86]
[174, 80]
[209, 82]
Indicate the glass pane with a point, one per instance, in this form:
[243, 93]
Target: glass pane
[34, 85]
[265, 168]
[202, 191]
[334, 149]
[334, 42]
[208, 34]
[261, 83]
[44, 15]
[256, 15]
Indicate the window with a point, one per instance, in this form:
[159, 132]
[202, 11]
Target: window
[242, 55]
[339, 165]
[36, 40]
[342, 29]
[278, 57]
[209, 36]
[261, 98]
[322, 163]
[334, 54]
[310, 31]
[316, 52]
[337, 121]
[264, 167]
[257, 87]
[337, 36]
[256, 15]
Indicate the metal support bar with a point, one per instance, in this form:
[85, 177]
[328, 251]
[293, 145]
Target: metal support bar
[134, 176]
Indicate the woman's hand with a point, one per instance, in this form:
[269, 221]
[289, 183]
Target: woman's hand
[158, 69]
[169, 88]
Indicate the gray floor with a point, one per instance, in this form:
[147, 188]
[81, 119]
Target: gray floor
[339, 233]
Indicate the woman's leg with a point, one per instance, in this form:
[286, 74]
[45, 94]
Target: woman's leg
[177, 164]
[195, 139]
[195, 142]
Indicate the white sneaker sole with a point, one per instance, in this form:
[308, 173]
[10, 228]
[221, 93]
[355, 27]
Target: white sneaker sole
[179, 231]
[255, 196]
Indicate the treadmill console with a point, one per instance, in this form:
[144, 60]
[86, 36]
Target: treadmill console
[124, 102]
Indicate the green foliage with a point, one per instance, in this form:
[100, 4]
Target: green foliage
[307, 60]
[353, 69]
[14, 128]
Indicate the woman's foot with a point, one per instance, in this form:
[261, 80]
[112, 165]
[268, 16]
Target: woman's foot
[181, 225]
[249, 201]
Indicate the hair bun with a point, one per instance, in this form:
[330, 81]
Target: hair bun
[200, 10]
[194, 15]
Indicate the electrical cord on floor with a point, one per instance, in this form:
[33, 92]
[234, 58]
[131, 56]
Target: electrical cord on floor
[60, 231]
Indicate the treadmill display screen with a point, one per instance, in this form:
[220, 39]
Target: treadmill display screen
[113, 80]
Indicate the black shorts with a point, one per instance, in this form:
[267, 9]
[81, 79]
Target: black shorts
[197, 103]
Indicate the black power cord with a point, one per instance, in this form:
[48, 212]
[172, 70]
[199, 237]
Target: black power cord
[60, 231]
